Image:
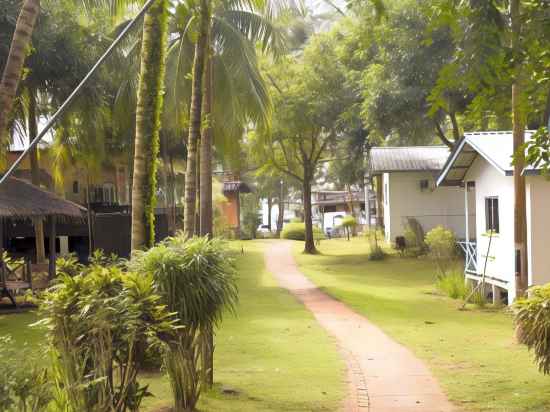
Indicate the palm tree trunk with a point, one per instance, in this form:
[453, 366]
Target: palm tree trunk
[206, 153]
[518, 126]
[16, 58]
[35, 176]
[148, 112]
[195, 125]
[206, 190]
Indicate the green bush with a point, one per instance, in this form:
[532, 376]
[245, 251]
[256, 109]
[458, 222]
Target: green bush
[24, 386]
[348, 223]
[454, 285]
[99, 324]
[297, 231]
[196, 279]
[532, 318]
[442, 248]
[375, 250]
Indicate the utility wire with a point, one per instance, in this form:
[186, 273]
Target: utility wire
[76, 91]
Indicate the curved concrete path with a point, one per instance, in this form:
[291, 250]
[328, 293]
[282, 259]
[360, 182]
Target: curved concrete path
[383, 376]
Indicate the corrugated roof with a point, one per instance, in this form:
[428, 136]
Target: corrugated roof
[495, 147]
[408, 159]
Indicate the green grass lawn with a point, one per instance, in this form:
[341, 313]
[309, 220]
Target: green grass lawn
[473, 353]
[273, 352]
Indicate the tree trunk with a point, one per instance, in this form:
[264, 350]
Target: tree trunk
[148, 112]
[16, 58]
[269, 207]
[206, 153]
[198, 186]
[309, 247]
[281, 217]
[518, 126]
[35, 177]
[195, 125]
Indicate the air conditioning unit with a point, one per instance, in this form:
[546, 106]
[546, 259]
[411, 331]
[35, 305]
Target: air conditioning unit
[424, 185]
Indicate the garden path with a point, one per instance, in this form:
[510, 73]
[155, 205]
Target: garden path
[382, 375]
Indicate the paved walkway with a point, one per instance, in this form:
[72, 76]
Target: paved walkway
[383, 375]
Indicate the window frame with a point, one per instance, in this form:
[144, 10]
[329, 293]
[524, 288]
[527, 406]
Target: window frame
[492, 214]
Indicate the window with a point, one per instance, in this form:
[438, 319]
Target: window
[491, 214]
[75, 186]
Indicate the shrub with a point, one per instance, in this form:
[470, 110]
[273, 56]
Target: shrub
[348, 223]
[442, 248]
[532, 318]
[196, 280]
[99, 323]
[68, 265]
[24, 386]
[454, 285]
[375, 250]
[297, 231]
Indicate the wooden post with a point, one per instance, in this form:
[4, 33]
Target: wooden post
[466, 212]
[52, 235]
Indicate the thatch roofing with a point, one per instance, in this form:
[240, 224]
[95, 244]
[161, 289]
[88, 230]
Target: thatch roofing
[22, 200]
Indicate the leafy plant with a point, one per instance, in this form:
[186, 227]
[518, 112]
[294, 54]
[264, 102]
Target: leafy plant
[453, 285]
[532, 318]
[196, 280]
[348, 223]
[99, 323]
[24, 385]
[68, 265]
[297, 231]
[375, 250]
[10, 262]
[442, 248]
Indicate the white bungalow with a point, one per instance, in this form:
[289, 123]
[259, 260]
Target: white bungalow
[481, 165]
[406, 190]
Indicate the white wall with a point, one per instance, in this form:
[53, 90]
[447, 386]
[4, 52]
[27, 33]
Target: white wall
[431, 207]
[500, 262]
[538, 229]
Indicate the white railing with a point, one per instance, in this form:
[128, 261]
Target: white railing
[470, 253]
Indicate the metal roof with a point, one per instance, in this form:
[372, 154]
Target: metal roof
[495, 147]
[408, 159]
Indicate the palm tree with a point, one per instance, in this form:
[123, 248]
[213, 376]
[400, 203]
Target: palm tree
[148, 114]
[14, 63]
[235, 31]
[195, 117]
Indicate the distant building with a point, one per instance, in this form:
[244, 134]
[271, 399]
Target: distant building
[330, 206]
[406, 190]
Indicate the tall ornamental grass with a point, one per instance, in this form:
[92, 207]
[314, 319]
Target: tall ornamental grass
[99, 323]
[196, 279]
[532, 317]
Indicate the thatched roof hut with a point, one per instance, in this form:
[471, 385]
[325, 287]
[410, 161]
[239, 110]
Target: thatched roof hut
[22, 200]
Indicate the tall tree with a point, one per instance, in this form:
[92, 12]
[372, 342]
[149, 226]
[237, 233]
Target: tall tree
[309, 102]
[14, 63]
[518, 122]
[148, 114]
[195, 118]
